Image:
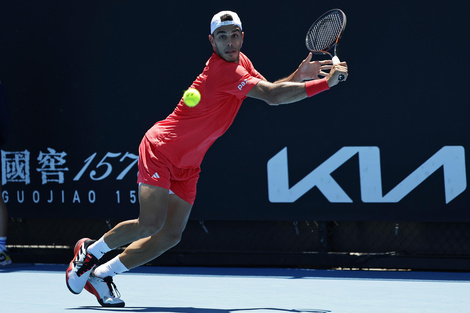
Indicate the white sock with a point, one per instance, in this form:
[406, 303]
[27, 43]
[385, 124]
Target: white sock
[99, 248]
[110, 268]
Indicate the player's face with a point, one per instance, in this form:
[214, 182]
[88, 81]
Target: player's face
[227, 41]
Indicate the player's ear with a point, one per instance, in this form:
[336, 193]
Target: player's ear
[212, 41]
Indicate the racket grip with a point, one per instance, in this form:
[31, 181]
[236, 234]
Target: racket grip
[336, 60]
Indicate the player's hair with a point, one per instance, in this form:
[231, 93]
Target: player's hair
[226, 17]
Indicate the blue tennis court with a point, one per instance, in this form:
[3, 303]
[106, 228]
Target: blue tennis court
[41, 288]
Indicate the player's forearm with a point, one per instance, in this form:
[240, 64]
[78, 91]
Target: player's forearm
[278, 93]
[286, 92]
[309, 89]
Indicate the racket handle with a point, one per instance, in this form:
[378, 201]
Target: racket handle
[336, 60]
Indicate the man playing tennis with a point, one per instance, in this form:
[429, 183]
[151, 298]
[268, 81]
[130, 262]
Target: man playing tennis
[172, 150]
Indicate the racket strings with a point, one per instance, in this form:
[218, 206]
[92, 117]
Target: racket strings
[325, 32]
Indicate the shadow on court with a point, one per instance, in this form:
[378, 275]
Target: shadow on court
[195, 310]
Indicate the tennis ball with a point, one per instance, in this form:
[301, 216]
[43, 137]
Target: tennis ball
[191, 97]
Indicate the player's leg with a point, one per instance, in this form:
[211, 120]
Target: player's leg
[154, 170]
[153, 208]
[138, 253]
[180, 204]
[153, 211]
[147, 249]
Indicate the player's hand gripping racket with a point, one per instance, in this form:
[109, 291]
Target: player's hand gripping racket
[325, 33]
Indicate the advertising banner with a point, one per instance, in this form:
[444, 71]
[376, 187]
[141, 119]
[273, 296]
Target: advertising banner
[85, 80]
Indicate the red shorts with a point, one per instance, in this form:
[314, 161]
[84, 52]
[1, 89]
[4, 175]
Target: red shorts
[156, 170]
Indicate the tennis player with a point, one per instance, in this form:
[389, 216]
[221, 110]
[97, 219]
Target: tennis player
[172, 150]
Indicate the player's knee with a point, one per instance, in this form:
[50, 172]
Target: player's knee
[170, 238]
[150, 228]
[173, 238]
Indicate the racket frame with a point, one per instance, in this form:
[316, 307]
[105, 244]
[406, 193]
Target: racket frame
[334, 44]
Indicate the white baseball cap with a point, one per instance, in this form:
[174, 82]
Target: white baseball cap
[216, 22]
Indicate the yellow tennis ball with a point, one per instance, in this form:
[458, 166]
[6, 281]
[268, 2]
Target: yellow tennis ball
[191, 97]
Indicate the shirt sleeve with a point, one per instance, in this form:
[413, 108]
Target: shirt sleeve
[237, 80]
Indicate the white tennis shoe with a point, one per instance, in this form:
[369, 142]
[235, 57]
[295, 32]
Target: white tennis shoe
[104, 290]
[80, 267]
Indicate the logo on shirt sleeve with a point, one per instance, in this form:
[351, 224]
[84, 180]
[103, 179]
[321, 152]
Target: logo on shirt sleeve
[242, 84]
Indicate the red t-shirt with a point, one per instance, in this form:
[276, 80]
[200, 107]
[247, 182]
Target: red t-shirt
[186, 134]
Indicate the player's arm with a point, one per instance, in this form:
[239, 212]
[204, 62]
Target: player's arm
[278, 93]
[286, 91]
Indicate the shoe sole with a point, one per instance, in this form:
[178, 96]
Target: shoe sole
[76, 249]
[89, 287]
[106, 305]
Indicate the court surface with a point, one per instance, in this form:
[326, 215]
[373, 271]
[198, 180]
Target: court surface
[41, 288]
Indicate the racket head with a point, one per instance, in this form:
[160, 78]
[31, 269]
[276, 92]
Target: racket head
[325, 32]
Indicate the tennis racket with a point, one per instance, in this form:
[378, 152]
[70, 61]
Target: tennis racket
[324, 34]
